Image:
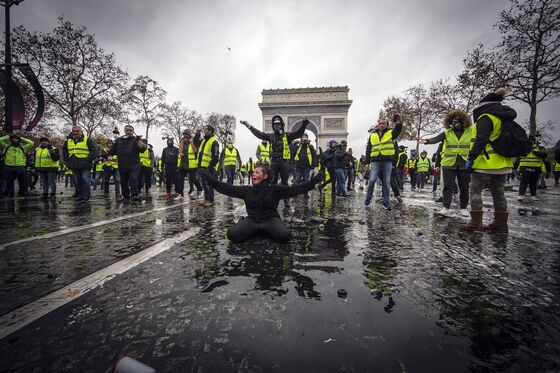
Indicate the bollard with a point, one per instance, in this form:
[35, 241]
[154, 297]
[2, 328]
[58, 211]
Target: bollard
[129, 365]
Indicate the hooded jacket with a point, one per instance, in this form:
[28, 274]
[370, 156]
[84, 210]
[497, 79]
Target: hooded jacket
[275, 139]
[484, 125]
[467, 123]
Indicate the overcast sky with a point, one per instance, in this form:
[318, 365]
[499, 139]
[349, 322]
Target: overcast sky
[376, 48]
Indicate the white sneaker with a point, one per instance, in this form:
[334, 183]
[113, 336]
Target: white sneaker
[444, 211]
[534, 198]
[200, 194]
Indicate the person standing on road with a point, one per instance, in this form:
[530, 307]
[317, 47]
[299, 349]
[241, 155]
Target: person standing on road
[170, 160]
[456, 138]
[490, 168]
[327, 163]
[410, 165]
[530, 169]
[46, 164]
[79, 151]
[15, 161]
[422, 167]
[263, 152]
[189, 162]
[231, 161]
[304, 159]
[261, 201]
[250, 167]
[146, 168]
[340, 163]
[380, 151]
[208, 160]
[128, 148]
[110, 169]
[401, 164]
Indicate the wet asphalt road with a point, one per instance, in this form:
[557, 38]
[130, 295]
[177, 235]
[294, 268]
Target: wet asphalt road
[398, 291]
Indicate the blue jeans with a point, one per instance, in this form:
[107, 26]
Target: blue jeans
[82, 178]
[302, 175]
[400, 178]
[107, 173]
[340, 182]
[208, 190]
[385, 167]
[48, 179]
[230, 174]
[129, 182]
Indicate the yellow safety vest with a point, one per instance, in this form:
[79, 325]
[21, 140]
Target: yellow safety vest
[113, 162]
[423, 164]
[531, 160]
[145, 160]
[159, 165]
[454, 147]
[410, 163]
[78, 149]
[205, 155]
[43, 159]
[286, 148]
[99, 166]
[230, 158]
[383, 146]
[309, 157]
[264, 152]
[250, 166]
[494, 161]
[191, 158]
[557, 167]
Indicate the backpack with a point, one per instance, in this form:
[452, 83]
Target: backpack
[512, 141]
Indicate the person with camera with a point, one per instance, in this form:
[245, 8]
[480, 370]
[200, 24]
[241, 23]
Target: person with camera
[15, 159]
[380, 151]
[46, 165]
[188, 153]
[261, 202]
[304, 157]
[79, 151]
[127, 148]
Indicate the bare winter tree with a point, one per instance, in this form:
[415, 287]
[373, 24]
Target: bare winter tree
[528, 55]
[224, 125]
[178, 118]
[101, 116]
[146, 101]
[73, 70]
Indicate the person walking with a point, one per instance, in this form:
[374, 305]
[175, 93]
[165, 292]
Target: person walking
[110, 169]
[304, 160]
[79, 151]
[15, 161]
[530, 169]
[350, 170]
[340, 163]
[188, 153]
[170, 160]
[250, 167]
[422, 166]
[47, 160]
[401, 164]
[411, 167]
[208, 160]
[490, 168]
[261, 202]
[231, 161]
[146, 168]
[263, 152]
[127, 148]
[380, 151]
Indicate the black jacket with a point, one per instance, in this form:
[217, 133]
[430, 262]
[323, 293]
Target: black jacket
[75, 163]
[303, 161]
[327, 158]
[340, 158]
[276, 143]
[484, 125]
[128, 152]
[170, 156]
[261, 201]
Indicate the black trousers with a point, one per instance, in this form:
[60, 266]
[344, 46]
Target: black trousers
[282, 169]
[463, 179]
[529, 177]
[248, 227]
[170, 176]
[193, 181]
[145, 178]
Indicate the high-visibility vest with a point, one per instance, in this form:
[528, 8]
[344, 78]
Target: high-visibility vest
[264, 152]
[191, 158]
[145, 160]
[423, 164]
[401, 154]
[309, 157]
[230, 158]
[543, 168]
[78, 149]
[557, 167]
[113, 162]
[454, 147]
[494, 161]
[250, 166]
[410, 163]
[159, 164]
[383, 146]
[99, 166]
[43, 159]
[286, 148]
[531, 160]
[205, 155]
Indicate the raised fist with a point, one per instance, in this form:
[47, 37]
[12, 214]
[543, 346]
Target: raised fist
[305, 122]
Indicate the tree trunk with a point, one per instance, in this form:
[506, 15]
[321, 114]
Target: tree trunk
[147, 130]
[533, 119]
[417, 143]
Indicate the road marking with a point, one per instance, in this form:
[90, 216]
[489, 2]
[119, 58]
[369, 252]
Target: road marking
[87, 226]
[25, 315]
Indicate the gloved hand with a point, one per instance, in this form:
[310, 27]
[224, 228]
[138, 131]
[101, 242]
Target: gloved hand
[203, 173]
[397, 118]
[468, 165]
[245, 123]
[318, 178]
[305, 122]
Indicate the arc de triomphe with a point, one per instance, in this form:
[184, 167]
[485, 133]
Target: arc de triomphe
[326, 108]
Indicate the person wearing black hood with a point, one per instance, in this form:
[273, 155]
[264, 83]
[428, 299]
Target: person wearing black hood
[261, 202]
[490, 168]
[170, 160]
[127, 148]
[280, 149]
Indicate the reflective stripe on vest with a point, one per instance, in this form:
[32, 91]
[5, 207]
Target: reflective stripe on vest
[454, 147]
[43, 159]
[205, 156]
[264, 152]
[230, 158]
[113, 162]
[250, 166]
[557, 167]
[191, 158]
[494, 161]
[531, 160]
[423, 164]
[78, 149]
[383, 146]
[309, 157]
[145, 158]
[285, 148]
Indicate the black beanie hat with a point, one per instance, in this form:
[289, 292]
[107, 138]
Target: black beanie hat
[496, 96]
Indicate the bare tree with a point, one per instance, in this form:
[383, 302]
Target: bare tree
[528, 55]
[146, 100]
[224, 125]
[71, 67]
[100, 116]
[179, 118]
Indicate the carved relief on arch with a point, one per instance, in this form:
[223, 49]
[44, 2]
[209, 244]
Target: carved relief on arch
[334, 123]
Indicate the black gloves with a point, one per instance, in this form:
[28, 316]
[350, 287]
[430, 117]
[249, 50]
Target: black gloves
[305, 122]
[318, 178]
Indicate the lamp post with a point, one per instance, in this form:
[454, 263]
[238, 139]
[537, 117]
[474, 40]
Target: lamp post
[8, 65]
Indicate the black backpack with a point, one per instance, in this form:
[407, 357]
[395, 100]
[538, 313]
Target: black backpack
[512, 141]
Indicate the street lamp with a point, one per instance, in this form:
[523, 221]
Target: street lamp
[8, 65]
